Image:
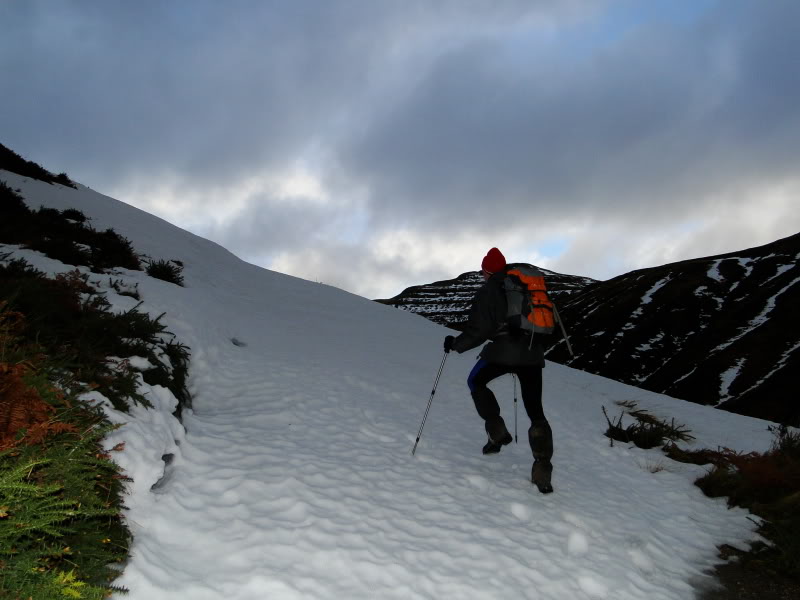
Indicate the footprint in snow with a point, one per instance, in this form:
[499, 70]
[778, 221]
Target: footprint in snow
[522, 512]
[478, 482]
[592, 586]
[385, 439]
[577, 544]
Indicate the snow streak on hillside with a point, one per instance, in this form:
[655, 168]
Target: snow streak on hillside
[717, 331]
[294, 479]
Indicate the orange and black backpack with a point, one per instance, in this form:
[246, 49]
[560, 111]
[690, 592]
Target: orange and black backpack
[529, 307]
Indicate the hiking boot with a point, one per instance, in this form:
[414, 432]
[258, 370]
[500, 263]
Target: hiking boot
[541, 439]
[540, 476]
[498, 435]
[493, 447]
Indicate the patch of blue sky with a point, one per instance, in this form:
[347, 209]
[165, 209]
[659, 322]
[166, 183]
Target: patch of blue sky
[551, 248]
[691, 226]
[584, 37]
[623, 16]
[352, 228]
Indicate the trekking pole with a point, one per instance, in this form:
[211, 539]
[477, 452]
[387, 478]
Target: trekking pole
[563, 331]
[430, 401]
[516, 438]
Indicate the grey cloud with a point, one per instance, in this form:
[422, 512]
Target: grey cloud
[454, 118]
[349, 267]
[266, 227]
[209, 90]
[197, 90]
[199, 87]
[639, 129]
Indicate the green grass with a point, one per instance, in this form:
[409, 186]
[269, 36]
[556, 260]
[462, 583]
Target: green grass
[61, 526]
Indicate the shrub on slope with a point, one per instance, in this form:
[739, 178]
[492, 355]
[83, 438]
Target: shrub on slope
[768, 485]
[62, 235]
[60, 493]
[11, 161]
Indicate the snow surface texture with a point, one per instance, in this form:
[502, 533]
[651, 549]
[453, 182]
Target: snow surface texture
[294, 477]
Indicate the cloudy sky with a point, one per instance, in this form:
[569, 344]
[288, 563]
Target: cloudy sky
[377, 144]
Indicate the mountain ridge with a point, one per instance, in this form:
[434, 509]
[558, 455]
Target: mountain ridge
[713, 330]
[447, 302]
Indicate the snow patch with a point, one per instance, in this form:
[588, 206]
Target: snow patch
[727, 378]
[713, 271]
[778, 366]
[780, 271]
[648, 298]
[757, 321]
[649, 345]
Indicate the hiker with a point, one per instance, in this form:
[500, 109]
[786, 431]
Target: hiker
[510, 350]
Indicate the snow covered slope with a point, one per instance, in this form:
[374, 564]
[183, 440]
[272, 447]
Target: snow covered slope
[294, 476]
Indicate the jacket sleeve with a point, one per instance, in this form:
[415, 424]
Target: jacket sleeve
[482, 323]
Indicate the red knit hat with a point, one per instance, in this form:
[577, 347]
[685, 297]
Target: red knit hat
[494, 261]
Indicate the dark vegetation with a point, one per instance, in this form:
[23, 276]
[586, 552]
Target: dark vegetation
[71, 320]
[62, 235]
[11, 161]
[60, 492]
[167, 270]
[767, 484]
[61, 529]
[647, 431]
[67, 236]
[60, 522]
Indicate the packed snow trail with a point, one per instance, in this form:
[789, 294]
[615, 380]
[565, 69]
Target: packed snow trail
[291, 488]
[294, 477]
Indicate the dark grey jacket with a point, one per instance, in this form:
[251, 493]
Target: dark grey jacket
[487, 321]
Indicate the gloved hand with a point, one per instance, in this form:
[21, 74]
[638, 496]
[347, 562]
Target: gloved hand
[448, 343]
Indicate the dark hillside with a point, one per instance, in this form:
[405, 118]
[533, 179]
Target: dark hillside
[720, 331]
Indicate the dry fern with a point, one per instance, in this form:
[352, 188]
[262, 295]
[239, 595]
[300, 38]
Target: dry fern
[22, 408]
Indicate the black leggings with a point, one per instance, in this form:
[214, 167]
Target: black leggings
[530, 381]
